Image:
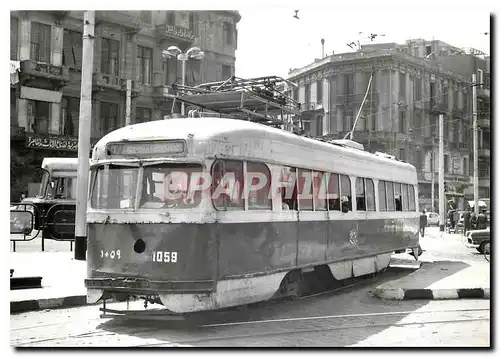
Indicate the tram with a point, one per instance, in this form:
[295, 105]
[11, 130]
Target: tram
[204, 213]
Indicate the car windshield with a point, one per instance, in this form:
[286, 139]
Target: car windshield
[43, 185]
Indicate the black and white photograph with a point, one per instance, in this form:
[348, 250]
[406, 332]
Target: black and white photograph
[250, 175]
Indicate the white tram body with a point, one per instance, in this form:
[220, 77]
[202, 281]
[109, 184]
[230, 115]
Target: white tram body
[217, 253]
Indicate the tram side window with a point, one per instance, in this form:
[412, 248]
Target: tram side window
[114, 187]
[411, 194]
[382, 197]
[304, 181]
[319, 190]
[288, 189]
[404, 196]
[397, 196]
[389, 187]
[370, 194]
[333, 193]
[227, 185]
[360, 195]
[345, 193]
[258, 184]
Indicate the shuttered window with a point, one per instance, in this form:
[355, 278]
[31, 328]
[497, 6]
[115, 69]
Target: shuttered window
[72, 49]
[109, 117]
[144, 66]
[40, 42]
[110, 56]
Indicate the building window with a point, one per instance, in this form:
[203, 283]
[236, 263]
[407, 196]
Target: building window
[14, 35]
[348, 121]
[307, 93]
[319, 91]
[109, 117]
[348, 84]
[70, 113]
[428, 50]
[146, 17]
[144, 67]
[446, 164]
[171, 71]
[170, 18]
[417, 89]
[13, 107]
[72, 49]
[402, 121]
[296, 94]
[416, 51]
[228, 33]
[142, 115]
[40, 42]
[402, 154]
[193, 72]
[110, 56]
[227, 72]
[465, 167]
[193, 22]
[402, 86]
[38, 117]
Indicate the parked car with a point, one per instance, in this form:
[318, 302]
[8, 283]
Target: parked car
[432, 219]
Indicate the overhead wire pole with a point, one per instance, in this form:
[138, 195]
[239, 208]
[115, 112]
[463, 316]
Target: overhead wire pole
[475, 144]
[441, 176]
[84, 136]
[360, 109]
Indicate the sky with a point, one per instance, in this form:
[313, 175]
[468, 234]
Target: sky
[271, 40]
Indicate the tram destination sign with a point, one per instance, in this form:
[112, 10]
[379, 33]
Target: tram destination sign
[146, 148]
[53, 142]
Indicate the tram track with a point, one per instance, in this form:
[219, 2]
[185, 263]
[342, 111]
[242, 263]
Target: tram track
[350, 322]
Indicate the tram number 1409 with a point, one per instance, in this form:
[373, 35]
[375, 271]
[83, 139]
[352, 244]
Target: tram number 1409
[165, 257]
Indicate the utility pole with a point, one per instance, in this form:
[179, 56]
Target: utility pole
[474, 137]
[128, 102]
[432, 176]
[84, 136]
[442, 216]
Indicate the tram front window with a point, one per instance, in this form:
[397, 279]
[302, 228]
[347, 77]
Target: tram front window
[43, 185]
[162, 186]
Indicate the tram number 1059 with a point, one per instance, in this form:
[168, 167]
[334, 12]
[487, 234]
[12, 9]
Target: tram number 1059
[165, 257]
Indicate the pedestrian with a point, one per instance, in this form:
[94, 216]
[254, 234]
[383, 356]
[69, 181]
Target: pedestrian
[467, 218]
[423, 223]
[452, 220]
[456, 218]
[473, 221]
[481, 220]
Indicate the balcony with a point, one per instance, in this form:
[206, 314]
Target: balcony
[484, 152]
[43, 75]
[126, 19]
[483, 122]
[103, 81]
[166, 31]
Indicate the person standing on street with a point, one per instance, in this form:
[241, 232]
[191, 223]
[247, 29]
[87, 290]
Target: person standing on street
[423, 223]
[467, 218]
[481, 220]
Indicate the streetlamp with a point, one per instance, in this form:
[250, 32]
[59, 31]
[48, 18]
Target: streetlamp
[176, 52]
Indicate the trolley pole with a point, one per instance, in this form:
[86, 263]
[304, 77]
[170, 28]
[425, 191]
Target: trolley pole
[84, 136]
[442, 217]
[474, 137]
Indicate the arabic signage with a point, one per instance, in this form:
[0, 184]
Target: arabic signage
[53, 142]
[178, 32]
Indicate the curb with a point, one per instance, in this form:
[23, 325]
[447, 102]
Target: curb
[432, 294]
[42, 304]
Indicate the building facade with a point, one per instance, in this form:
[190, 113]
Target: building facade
[46, 62]
[412, 85]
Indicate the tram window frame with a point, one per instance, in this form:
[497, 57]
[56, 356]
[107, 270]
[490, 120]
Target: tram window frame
[404, 196]
[319, 190]
[249, 196]
[306, 202]
[360, 194]
[288, 204]
[382, 196]
[240, 205]
[391, 202]
[398, 197]
[369, 195]
[411, 194]
[333, 197]
[346, 200]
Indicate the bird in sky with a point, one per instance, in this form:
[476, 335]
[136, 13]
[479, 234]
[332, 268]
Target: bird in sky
[350, 44]
[485, 33]
[296, 14]
[373, 35]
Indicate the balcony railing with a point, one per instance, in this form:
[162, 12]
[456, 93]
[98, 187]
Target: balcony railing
[166, 31]
[30, 68]
[102, 81]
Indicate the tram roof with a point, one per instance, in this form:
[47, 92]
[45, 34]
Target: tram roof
[203, 130]
[60, 163]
